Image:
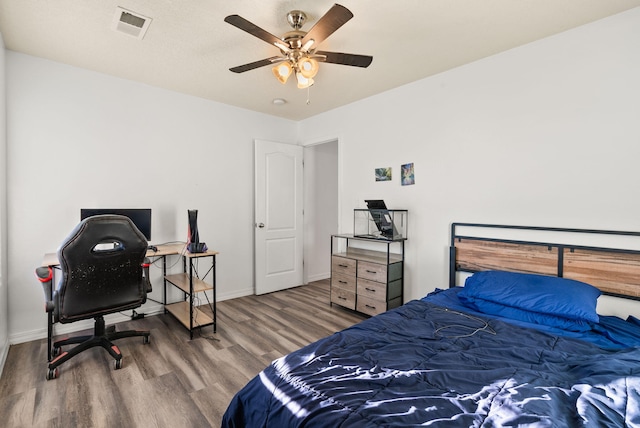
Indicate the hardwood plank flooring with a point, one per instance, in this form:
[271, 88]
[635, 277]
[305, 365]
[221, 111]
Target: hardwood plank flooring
[172, 381]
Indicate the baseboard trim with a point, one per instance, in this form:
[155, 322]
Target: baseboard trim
[319, 277]
[148, 310]
[237, 293]
[41, 333]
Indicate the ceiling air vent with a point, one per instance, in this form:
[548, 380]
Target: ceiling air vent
[130, 23]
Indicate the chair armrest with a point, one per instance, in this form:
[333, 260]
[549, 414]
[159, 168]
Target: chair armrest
[45, 276]
[145, 274]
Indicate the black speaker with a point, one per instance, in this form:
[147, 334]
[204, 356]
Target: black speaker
[194, 245]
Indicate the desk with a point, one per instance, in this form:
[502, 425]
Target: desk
[51, 259]
[188, 282]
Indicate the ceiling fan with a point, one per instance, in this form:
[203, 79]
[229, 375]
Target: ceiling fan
[299, 54]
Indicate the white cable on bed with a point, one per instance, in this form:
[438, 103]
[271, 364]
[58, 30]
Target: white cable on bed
[485, 327]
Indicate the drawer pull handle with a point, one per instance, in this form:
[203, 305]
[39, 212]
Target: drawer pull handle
[342, 298]
[344, 266]
[370, 307]
[371, 271]
[342, 282]
[370, 289]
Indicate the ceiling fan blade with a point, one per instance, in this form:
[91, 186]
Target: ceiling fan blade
[254, 30]
[257, 64]
[345, 58]
[335, 18]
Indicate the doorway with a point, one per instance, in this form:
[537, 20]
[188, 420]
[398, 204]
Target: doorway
[321, 207]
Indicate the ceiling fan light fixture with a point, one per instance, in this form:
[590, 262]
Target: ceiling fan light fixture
[308, 67]
[282, 71]
[303, 82]
[298, 48]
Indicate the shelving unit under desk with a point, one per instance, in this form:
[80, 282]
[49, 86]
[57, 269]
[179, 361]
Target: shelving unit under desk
[190, 283]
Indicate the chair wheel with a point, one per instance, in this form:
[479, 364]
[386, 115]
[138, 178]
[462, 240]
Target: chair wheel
[55, 351]
[52, 373]
[145, 340]
[119, 364]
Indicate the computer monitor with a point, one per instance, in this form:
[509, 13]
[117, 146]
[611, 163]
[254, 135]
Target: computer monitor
[141, 217]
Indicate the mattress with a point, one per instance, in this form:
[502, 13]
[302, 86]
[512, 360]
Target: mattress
[433, 362]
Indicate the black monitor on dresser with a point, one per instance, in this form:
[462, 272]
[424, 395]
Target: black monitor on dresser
[141, 217]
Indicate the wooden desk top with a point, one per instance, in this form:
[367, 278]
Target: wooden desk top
[167, 249]
[51, 259]
[205, 254]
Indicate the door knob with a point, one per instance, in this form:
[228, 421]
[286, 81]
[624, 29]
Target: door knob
[260, 225]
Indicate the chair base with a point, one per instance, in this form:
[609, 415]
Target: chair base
[102, 337]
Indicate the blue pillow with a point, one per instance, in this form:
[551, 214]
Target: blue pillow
[491, 308]
[633, 320]
[547, 295]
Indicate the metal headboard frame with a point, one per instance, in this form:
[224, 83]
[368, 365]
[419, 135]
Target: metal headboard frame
[457, 238]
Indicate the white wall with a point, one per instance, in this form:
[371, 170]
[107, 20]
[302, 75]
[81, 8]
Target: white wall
[77, 139]
[547, 135]
[320, 208]
[4, 312]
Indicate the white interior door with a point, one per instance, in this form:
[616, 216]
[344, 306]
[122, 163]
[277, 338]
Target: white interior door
[278, 216]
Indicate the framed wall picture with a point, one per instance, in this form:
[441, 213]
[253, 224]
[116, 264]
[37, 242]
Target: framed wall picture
[383, 174]
[408, 177]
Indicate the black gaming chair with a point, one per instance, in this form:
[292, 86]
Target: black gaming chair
[104, 270]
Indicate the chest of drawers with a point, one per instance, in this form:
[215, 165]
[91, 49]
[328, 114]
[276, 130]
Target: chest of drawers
[368, 280]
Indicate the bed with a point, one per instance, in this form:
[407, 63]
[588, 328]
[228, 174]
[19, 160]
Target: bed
[520, 344]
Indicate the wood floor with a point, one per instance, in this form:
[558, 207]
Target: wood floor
[172, 381]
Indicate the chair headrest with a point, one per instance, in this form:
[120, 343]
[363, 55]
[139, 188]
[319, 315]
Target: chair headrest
[103, 235]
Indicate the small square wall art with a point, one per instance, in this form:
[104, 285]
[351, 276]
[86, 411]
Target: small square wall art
[407, 174]
[383, 174]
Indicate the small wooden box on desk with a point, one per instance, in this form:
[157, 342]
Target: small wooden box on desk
[191, 284]
[367, 280]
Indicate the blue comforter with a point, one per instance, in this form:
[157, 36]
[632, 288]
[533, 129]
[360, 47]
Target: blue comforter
[430, 365]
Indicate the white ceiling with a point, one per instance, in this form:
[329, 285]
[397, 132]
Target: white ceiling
[189, 48]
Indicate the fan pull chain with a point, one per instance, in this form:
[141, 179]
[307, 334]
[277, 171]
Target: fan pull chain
[308, 95]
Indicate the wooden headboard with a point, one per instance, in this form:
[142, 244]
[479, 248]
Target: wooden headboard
[615, 271]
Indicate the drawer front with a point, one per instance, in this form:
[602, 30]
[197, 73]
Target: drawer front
[343, 265]
[347, 283]
[371, 289]
[369, 306]
[344, 298]
[372, 271]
